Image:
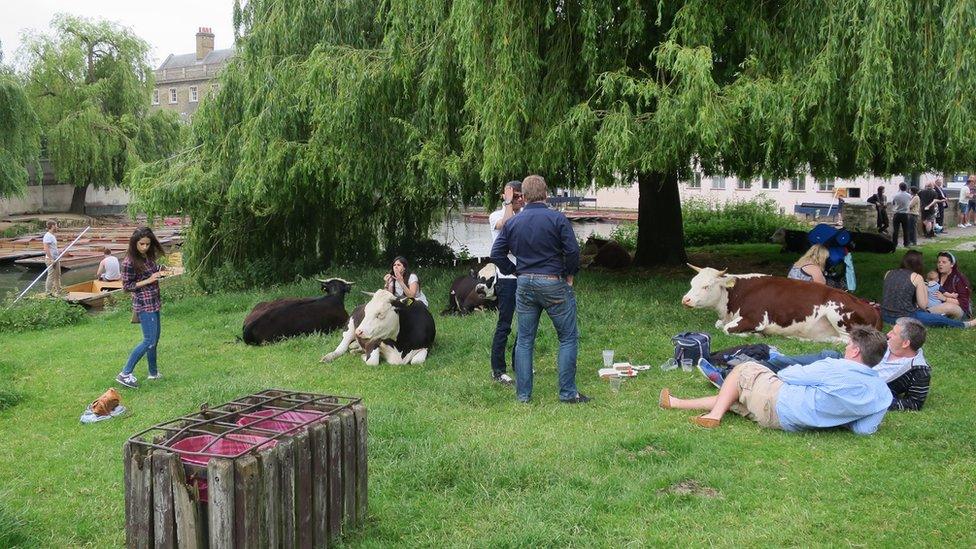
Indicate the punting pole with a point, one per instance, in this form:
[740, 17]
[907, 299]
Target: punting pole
[46, 269]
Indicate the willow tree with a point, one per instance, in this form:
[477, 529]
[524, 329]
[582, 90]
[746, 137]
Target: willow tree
[19, 134]
[90, 84]
[341, 126]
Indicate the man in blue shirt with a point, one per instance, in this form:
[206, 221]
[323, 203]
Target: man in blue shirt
[547, 254]
[833, 392]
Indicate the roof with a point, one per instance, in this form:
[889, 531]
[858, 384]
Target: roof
[216, 57]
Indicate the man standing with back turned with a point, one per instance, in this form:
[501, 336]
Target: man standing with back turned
[547, 254]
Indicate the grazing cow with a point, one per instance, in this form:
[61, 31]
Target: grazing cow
[757, 303]
[608, 254]
[473, 291]
[798, 242]
[271, 321]
[387, 326]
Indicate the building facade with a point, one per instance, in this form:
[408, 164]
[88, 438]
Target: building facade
[182, 81]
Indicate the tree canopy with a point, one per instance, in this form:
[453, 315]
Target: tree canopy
[19, 133]
[90, 83]
[344, 126]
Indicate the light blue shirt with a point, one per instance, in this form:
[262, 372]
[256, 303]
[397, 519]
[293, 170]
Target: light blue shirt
[832, 392]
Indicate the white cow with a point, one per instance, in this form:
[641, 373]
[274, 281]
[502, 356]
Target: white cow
[389, 327]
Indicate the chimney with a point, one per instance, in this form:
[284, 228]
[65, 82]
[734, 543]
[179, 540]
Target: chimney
[205, 42]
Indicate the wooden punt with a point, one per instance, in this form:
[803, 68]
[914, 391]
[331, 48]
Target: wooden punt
[93, 294]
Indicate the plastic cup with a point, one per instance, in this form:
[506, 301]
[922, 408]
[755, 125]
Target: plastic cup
[668, 365]
[687, 365]
[607, 358]
[615, 382]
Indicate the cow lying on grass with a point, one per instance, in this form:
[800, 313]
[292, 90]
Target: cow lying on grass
[390, 328]
[757, 303]
[270, 321]
[473, 291]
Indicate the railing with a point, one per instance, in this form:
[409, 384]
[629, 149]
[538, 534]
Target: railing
[187, 73]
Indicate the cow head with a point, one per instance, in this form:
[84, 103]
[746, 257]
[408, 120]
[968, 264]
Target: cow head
[708, 288]
[779, 237]
[487, 278]
[335, 286]
[381, 317]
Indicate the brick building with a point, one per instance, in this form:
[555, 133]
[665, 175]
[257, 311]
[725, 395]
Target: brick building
[182, 81]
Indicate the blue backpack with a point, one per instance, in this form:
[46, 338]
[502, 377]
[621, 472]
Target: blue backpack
[691, 345]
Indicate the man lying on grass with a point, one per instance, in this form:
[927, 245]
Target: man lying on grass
[903, 366]
[833, 392]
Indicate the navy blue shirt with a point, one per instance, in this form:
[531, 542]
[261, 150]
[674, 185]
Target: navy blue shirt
[542, 241]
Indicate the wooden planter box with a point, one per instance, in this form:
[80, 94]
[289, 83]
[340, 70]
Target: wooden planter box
[287, 483]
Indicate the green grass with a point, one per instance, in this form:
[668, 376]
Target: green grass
[454, 461]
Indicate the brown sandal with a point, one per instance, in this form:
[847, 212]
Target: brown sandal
[664, 401]
[705, 422]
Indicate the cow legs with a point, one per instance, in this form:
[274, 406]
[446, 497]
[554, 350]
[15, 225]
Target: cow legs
[739, 326]
[419, 357]
[373, 357]
[347, 337]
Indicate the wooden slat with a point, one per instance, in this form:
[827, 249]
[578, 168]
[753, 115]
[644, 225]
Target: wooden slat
[348, 470]
[359, 411]
[220, 489]
[247, 503]
[190, 531]
[138, 496]
[319, 433]
[271, 494]
[164, 520]
[303, 490]
[286, 465]
[334, 425]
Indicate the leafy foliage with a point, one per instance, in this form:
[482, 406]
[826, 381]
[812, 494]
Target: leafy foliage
[19, 135]
[39, 314]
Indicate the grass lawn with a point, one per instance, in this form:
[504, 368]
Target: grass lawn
[455, 461]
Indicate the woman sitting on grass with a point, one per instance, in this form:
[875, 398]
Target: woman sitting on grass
[905, 294]
[810, 266]
[403, 283]
[955, 289]
[140, 276]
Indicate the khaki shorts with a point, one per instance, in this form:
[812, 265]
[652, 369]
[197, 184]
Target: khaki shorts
[758, 391]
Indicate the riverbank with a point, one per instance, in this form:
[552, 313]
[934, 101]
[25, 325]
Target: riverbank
[454, 461]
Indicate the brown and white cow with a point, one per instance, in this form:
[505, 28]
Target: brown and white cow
[770, 305]
[389, 327]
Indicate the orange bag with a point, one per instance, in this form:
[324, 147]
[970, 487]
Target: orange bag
[106, 403]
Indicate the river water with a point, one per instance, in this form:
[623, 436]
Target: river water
[457, 232]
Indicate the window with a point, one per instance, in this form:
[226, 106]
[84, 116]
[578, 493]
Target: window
[172, 96]
[155, 97]
[798, 183]
[718, 182]
[825, 185]
[695, 182]
[770, 183]
[193, 94]
[743, 184]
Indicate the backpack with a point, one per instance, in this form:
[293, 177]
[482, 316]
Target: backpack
[691, 345]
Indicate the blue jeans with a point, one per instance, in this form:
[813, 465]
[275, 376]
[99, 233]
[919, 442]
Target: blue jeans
[777, 362]
[150, 337]
[929, 319]
[558, 299]
[505, 293]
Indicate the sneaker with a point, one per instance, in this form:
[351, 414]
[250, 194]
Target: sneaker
[580, 398]
[711, 373]
[127, 380]
[154, 377]
[504, 379]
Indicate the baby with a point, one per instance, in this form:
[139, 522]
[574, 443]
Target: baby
[932, 281]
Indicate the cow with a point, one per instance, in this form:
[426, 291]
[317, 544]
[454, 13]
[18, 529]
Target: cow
[476, 290]
[608, 254]
[271, 321]
[769, 305]
[797, 242]
[388, 327]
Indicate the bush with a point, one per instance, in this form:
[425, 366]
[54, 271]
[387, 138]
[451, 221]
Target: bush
[9, 398]
[262, 273]
[20, 229]
[38, 314]
[423, 253]
[732, 222]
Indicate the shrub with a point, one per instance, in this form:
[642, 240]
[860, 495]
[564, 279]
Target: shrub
[38, 314]
[9, 398]
[20, 229]
[732, 222]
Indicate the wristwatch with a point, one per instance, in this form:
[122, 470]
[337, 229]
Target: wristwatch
[507, 202]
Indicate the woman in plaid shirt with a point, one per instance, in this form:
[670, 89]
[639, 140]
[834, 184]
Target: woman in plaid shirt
[140, 276]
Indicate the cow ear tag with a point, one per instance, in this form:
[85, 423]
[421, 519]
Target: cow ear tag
[729, 282]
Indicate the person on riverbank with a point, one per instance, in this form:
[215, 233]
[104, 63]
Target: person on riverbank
[505, 286]
[52, 285]
[900, 203]
[108, 269]
[140, 277]
[401, 282]
[547, 258]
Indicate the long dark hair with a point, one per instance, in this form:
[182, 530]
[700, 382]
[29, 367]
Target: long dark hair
[155, 248]
[406, 269]
[913, 262]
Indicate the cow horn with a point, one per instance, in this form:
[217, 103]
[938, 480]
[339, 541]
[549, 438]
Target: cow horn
[722, 272]
[697, 269]
[370, 294]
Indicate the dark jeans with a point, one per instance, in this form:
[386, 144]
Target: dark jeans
[882, 220]
[912, 229]
[558, 300]
[505, 293]
[902, 220]
[150, 337]
[777, 362]
[929, 319]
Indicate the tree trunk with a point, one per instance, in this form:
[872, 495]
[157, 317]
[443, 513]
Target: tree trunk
[78, 195]
[660, 236]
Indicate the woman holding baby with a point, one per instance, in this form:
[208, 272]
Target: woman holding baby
[906, 293]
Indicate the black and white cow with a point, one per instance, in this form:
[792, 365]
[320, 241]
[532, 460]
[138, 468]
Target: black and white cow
[388, 327]
[473, 291]
[270, 321]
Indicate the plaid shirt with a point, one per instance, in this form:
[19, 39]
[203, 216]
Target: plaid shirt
[145, 299]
